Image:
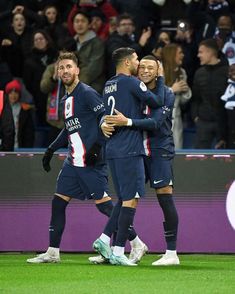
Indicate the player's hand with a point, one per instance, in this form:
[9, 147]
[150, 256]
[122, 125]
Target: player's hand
[93, 154]
[118, 119]
[160, 69]
[107, 129]
[46, 159]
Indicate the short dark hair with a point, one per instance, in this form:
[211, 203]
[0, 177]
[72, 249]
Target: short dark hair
[67, 55]
[121, 53]
[124, 16]
[150, 57]
[211, 44]
[84, 13]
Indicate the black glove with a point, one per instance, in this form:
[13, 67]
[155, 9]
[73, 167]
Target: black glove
[93, 154]
[47, 158]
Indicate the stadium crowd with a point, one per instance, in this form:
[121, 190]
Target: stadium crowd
[194, 39]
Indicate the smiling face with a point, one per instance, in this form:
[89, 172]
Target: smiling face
[148, 71]
[68, 72]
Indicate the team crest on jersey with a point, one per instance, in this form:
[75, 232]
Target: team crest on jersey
[143, 87]
[69, 109]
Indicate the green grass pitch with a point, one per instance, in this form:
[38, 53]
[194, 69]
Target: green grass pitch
[196, 274]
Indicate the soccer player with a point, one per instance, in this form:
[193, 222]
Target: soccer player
[124, 152]
[83, 174]
[159, 149]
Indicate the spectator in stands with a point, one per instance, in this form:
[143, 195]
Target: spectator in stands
[216, 8]
[176, 79]
[203, 23]
[7, 128]
[225, 37]
[42, 54]
[6, 8]
[88, 6]
[15, 44]
[90, 51]
[209, 84]
[229, 98]
[144, 12]
[52, 86]
[125, 37]
[99, 24]
[53, 25]
[186, 38]
[22, 115]
[163, 39]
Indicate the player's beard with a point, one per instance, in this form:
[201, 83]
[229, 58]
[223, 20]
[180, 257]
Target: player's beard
[68, 82]
[133, 70]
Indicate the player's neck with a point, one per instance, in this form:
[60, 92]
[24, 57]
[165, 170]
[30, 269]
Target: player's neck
[123, 70]
[69, 89]
[151, 85]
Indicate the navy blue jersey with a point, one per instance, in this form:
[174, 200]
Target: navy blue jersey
[82, 110]
[128, 95]
[158, 122]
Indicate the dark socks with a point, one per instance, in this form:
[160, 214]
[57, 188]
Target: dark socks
[125, 222]
[112, 223]
[105, 208]
[170, 224]
[58, 219]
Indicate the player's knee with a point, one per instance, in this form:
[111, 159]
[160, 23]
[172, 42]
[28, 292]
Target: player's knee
[130, 203]
[164, 190]
[65, 198]
[105, 208]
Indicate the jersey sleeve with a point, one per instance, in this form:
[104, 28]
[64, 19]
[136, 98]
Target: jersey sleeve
[146, 124]
[61, 140]
[141, 92]
[95, 103]
[157, 117]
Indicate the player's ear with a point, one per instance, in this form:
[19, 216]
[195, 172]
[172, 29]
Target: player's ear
[78, 71]
[127, 62]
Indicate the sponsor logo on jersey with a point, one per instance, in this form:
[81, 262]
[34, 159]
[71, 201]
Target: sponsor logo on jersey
[98, 107]
[73, 124]
[143, 87]
[110, 88]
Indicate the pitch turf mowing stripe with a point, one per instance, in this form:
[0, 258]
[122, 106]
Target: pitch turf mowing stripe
[196, 274]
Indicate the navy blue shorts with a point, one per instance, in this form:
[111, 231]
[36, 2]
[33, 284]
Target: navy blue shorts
[128, 177]
[159, 170]
[83, 182]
